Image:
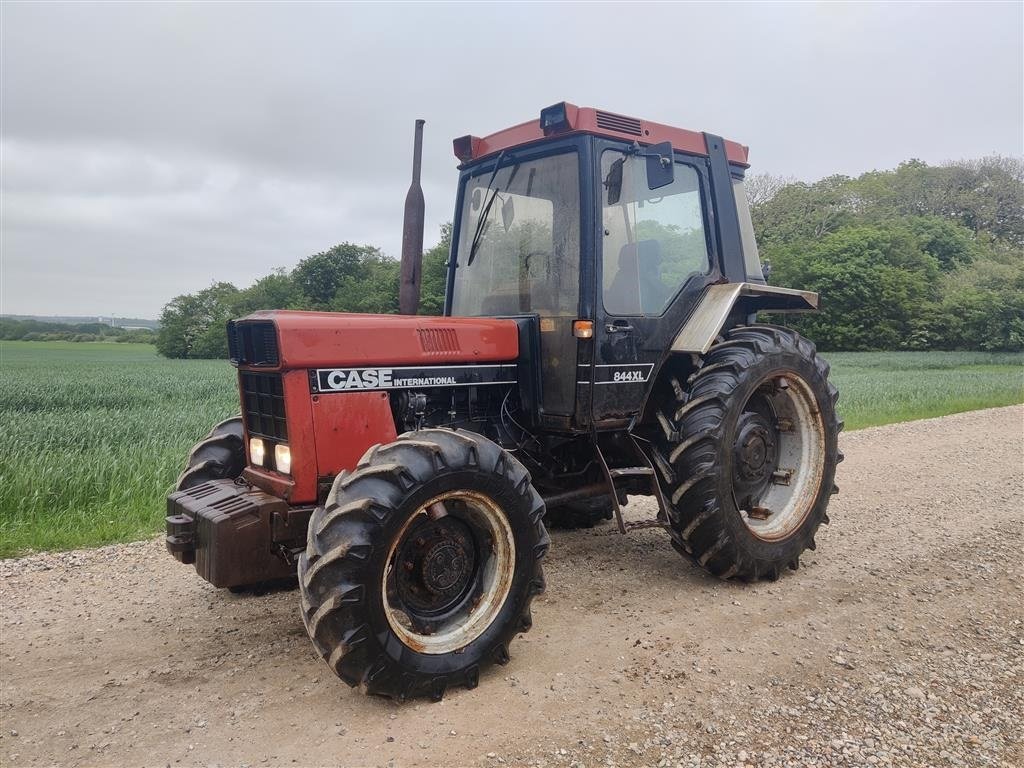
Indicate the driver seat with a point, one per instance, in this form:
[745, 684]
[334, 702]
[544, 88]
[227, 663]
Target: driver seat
[624, 295]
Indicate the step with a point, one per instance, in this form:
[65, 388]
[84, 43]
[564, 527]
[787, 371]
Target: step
[631, 472]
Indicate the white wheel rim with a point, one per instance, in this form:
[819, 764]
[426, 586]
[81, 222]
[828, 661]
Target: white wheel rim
[801, 457]
[498, 568]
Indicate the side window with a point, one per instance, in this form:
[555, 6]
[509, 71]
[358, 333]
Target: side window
[654, 240]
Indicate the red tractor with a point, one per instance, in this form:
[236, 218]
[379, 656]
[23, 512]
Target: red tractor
[599, 340]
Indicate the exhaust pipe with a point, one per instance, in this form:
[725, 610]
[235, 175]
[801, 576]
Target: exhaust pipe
[412, 234]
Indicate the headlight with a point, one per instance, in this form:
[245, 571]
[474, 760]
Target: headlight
[257, 451]
[283, 458]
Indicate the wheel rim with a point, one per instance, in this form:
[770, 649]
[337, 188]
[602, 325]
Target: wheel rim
[778, 456]
[448, 572]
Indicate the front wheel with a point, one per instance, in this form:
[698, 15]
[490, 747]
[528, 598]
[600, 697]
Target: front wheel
[422, 566]
[220, 455]
[747, 451]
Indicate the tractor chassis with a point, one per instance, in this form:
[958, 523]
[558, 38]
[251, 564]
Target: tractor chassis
[236, 534]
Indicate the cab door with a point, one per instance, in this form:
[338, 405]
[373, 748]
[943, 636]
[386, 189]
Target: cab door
[655, 257]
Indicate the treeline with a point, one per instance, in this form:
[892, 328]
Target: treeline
[346, 278]
[37, 330]
[920, 257]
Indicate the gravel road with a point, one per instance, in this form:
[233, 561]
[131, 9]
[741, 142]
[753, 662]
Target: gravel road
[900, 641]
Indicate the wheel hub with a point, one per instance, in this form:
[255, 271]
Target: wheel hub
[438, 566]
[755, 452]
[778, 455]
[445, 566]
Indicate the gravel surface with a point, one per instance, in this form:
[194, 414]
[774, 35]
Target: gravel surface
[900, 641]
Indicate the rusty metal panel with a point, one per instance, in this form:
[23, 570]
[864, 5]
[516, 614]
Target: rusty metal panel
[346, 424]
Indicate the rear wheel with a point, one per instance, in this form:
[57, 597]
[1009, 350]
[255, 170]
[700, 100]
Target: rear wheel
[747, 451]
[218, 456]
[423, 564]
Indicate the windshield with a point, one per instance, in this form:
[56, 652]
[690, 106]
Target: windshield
[519, 240]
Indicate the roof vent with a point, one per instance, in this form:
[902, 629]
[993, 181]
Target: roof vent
[619, 123]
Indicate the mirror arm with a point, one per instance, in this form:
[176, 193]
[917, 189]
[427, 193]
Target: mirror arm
[639, 151]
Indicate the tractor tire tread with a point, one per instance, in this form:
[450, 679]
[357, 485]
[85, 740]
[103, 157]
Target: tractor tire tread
[218, 456]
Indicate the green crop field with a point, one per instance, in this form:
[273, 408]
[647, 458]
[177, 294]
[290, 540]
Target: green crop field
[95, 434]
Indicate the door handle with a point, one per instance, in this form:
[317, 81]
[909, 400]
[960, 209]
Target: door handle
[620, 328]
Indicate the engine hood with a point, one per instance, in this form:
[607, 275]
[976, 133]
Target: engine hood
[323, 339]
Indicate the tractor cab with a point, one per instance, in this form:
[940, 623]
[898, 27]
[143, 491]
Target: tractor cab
[608, 229]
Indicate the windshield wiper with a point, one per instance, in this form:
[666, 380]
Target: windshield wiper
[481, 223]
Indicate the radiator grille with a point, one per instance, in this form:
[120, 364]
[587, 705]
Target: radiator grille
[263, 398]
[253, 343]
[611, 122]
[436, 341]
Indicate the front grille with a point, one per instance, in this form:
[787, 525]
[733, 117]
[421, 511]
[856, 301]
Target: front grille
[253, 343]
[619, 123]
[263, 404]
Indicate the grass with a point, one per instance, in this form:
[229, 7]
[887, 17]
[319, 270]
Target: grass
[887, 387]
[94, 435]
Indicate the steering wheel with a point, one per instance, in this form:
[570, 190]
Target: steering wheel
[531, 254]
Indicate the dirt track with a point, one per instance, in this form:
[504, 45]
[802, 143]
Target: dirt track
[899, 641]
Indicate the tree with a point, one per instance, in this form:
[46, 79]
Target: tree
[803, 212]
[434, 278]
[372, 288]
[951, 244]
[983, 306]
[275, 291]
[911, 258]
[878, 287]
[193, 325]
[320, 276]
[762, 187]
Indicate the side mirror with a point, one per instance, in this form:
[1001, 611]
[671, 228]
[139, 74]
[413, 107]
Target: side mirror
[613, 183]
[661, 167]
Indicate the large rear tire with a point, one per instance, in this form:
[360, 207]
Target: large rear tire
[218, 456]
[747, 452]
[422, 566]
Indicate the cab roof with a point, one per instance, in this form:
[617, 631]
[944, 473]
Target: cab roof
[564, 119]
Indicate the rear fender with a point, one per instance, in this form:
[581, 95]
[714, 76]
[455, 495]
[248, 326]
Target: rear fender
[722, 306]
[735, 300]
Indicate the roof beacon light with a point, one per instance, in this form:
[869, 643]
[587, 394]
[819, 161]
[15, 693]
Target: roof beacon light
[557, 118]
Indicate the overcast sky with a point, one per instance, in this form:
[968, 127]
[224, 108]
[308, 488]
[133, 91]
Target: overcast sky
[151, 149]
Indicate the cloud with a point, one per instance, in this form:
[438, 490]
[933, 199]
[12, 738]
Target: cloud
[150, 149]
